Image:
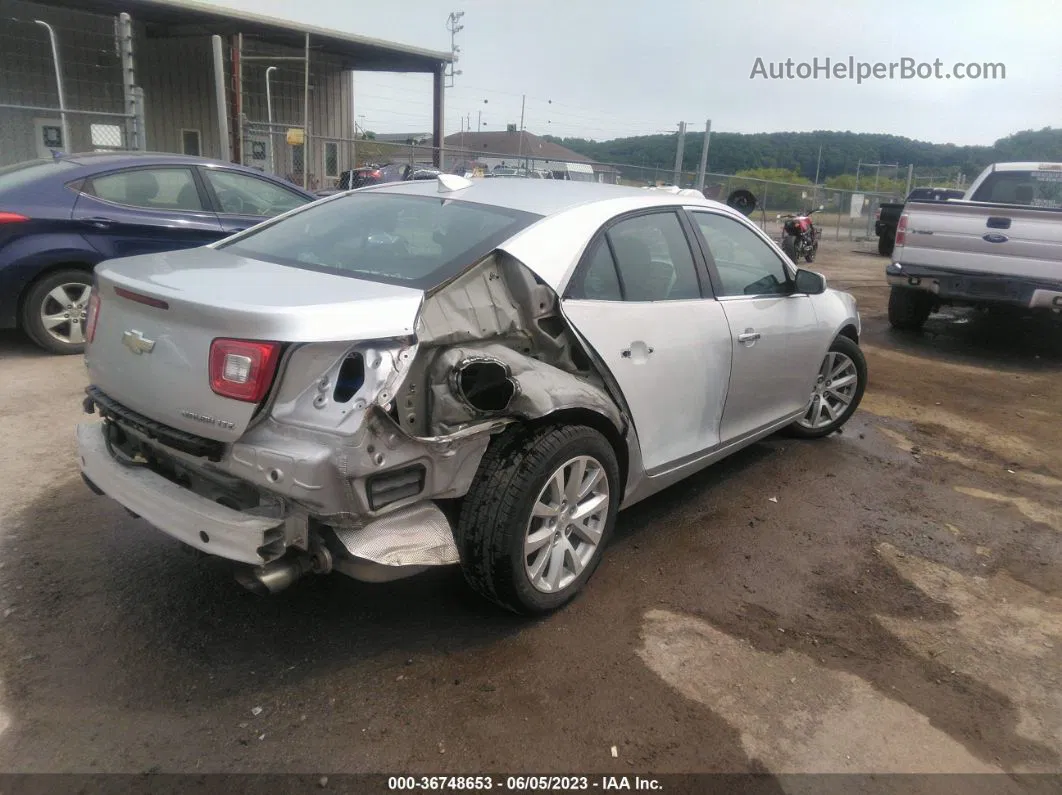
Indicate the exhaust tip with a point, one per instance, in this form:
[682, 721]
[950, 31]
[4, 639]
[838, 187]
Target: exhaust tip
[246, 577]
[273, 577]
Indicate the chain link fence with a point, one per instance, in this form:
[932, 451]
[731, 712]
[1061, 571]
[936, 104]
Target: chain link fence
[61, 84]
[846, 215]
[295, 113]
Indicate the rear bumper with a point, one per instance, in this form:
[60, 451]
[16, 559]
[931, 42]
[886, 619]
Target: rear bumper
[977, 288]
[181, 513]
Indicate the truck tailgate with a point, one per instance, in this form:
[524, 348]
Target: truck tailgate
[976, 237]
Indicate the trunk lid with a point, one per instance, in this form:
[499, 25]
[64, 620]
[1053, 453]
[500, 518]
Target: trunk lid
[155, 360]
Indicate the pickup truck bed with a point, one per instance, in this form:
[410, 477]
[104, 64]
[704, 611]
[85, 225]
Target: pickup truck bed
[888, 216]
[974, 254]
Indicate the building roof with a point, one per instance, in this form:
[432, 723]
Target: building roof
[402, 138]
[170, 18]
[510, 144]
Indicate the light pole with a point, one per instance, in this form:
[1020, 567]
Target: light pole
[269, 119]
[58, 83]
[452, 25]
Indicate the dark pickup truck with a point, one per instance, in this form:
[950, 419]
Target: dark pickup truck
[888, 214]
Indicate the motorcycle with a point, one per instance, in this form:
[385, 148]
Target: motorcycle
[800, 236]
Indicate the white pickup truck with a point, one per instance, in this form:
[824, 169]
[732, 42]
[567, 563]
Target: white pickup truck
[998, 246]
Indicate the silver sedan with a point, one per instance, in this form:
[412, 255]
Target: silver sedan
[480, 372]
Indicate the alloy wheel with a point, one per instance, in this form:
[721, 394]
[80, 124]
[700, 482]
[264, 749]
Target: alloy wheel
[567, 521]
[834, 389]
[63, 312]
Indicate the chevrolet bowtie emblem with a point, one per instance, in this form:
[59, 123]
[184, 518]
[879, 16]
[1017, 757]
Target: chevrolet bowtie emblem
[137, 342]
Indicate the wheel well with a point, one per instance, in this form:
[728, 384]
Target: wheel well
[45, 273]
[850, 332]
[601, 424]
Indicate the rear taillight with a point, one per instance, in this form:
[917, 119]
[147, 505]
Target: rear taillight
[901, 230]
[242, 369]
[92, 315]
[877, 214]
[12, 218]
[375, 175]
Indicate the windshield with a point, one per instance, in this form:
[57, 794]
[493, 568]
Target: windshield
[1034, 188]
[22, 173]
[415, 241]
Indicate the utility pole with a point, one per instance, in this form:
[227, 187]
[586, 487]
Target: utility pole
[678, 153]
[910, 175]
[817, 164]
[704, 156]
[520, 145]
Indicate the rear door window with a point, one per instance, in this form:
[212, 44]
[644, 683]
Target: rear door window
[652, 258]
[149, 188]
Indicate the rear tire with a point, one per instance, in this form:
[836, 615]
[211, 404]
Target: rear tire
[909, 309]
[789, 247]
[61, 296]
[504, 514]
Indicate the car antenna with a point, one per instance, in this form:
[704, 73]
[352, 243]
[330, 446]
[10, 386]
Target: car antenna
[452, 182]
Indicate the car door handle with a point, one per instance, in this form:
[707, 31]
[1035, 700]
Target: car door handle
[100, 222]
[997, 222]
[748, 336]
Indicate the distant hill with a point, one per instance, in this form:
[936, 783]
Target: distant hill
[729, 153]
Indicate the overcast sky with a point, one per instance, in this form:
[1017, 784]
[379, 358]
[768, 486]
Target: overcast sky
[615, 69]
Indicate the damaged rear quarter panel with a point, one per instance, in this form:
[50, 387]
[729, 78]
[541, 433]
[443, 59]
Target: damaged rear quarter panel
[410, 409]
[500, 312]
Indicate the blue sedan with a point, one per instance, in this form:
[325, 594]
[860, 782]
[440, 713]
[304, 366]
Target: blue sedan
[60, 217]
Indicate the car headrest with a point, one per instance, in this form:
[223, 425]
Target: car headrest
[141, 187]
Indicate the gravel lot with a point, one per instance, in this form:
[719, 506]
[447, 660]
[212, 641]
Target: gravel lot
[899, 608]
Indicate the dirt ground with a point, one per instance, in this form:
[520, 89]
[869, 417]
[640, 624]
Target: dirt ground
[897, 609]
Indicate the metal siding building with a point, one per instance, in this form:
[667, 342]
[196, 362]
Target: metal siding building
[172, 59]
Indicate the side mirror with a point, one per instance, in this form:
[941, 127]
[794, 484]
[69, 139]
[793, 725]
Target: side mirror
[809, 282]
[822, 207]
[778, 217]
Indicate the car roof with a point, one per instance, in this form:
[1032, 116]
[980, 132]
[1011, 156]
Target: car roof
[90, 163]
[1029, 165]
[120, 158]
[543, 197]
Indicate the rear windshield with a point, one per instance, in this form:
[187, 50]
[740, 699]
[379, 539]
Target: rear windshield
[22, 173]
[415, 241]
[1033, 188]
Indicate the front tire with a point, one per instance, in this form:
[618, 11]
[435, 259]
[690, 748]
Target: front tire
[55, 309]
[909, 309]
[535, 522]
[838, 390]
